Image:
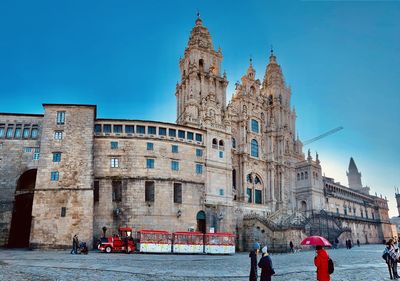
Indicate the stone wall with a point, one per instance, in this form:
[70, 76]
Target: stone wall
[53, 226]
[16, 157]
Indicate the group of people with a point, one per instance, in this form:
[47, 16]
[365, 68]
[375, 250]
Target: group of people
[349, 244]
[391, 256]
[321, 261]
[265, 264]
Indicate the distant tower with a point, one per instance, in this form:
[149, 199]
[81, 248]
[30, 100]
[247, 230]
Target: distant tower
[354, 177]
[398, 200]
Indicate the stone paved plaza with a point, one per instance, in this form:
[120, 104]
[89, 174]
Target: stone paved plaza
[364, 263]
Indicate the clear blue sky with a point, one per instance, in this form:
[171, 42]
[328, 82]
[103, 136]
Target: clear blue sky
[341, 59]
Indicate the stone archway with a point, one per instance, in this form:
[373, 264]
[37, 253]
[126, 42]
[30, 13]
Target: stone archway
[22, 212]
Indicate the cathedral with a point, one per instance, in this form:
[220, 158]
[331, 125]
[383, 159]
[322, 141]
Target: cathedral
[233, 166]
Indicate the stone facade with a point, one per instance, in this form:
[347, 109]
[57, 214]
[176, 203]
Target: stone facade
[236, 168]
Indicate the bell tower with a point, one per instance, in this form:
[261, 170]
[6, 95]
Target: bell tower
[201, 93]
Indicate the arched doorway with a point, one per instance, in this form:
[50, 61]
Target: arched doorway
[201, 221]
[22, 211]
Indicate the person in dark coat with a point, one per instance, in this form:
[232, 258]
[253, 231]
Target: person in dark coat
[291, 247]
[265, 264]
[75, 244]
[253, 262]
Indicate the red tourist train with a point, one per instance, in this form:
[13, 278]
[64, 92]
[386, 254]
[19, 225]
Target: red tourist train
[160, 241]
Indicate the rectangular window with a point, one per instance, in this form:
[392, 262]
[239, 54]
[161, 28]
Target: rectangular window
[96, 191]
[162, 131]
[172, 132]
[60, 117]
[189, 135]
[151, 130]
[174, 148]
[114, 162]
[54, 176]
[117, 129]
[63, 211]
[150, 146]
[178, 193]
[254, 126]
[249, 195]
[174, 165]
[199, 168]
[258, 196]
[221, 191]
[129, 129]
[140, 129]
[97, 128]
[337, 210]
[58, 135]
[221, 154]
[36, 156]
[149, 191]
[114, 145]
[10, 131]
[1, 132]
[34, 132]
[107, 128]
[181, 134]
[150, 163]
[56, 156]
[199, 137]
[199, 152]
[28, 149]
[17, 134]
[116, 191]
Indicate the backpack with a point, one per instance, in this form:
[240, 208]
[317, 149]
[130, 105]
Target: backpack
[331, 266]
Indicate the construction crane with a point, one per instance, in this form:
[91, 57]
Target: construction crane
[323, 135]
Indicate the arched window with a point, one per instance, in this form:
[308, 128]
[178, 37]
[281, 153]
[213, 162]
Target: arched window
[221, 144]
[305, 175]
[252, 90]
[257, 180]
[254, 148]
[249, 179]
[233, 143]
[201, 65]
[214, 143]
[298, 176]
[302, 175]
[254, 126]
[303, 206]
[270, 100]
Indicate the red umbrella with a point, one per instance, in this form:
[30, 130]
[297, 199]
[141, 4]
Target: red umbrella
[315, 241]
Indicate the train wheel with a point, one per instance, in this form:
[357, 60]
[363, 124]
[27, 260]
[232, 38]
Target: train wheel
[108, 249]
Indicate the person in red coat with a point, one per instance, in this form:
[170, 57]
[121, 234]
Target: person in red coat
[321, 262]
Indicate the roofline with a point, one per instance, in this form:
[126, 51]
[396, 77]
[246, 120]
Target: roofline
[69, 104]
[150, 121]
[21, 114]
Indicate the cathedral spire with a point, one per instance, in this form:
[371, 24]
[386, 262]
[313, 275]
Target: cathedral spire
[353, 175]
[273, 73]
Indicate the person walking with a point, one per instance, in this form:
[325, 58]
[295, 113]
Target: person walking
[391, 257]
[75, 244]
[321, 262]
[291, 247]
[253, 262]
[265, 264]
